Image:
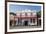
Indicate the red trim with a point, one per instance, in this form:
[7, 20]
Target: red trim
[25, 17]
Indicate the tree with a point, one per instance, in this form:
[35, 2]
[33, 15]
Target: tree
[39, 14]
[11, 13]
[13, 20]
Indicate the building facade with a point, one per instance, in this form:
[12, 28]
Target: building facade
[23, 18]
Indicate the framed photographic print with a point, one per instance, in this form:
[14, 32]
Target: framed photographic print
[24, 16]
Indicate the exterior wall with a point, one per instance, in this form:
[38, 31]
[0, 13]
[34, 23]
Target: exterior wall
[22, 22]
[23, 14]
[28, 14]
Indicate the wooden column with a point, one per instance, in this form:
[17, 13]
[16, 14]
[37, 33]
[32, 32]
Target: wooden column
[32, 20]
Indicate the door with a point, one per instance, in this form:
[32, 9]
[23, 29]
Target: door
[26, 23]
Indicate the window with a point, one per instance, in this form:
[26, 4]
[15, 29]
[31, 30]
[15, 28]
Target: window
[10, 22]
[15, 22]
[33, 20]
[19, 21]
[31, 13]
[20, 14]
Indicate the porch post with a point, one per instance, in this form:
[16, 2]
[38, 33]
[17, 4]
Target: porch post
[32, 20]
[28, 21]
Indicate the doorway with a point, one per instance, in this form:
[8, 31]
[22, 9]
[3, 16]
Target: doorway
[25, 23]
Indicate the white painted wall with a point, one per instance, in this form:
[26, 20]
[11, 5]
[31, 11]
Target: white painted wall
[18, 14]
[23, 14]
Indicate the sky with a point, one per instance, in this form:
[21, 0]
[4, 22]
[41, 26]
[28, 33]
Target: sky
[13, 7]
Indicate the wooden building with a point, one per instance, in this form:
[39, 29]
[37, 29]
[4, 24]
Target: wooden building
[23, 18]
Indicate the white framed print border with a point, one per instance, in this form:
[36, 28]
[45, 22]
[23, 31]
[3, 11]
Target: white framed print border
[24, 27]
